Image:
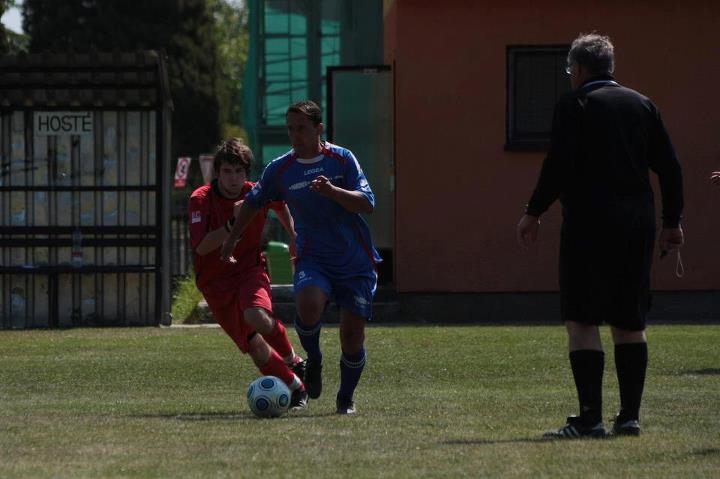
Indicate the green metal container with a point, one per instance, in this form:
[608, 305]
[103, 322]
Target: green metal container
[279, 264]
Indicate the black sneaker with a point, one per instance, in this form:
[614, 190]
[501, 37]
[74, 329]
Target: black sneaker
[298, 367]
[576, 429]
[313, 378]
[298, 400]
[345, 406]
[629, 427]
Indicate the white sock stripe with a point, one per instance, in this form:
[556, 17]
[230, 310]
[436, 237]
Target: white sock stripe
[295, 384]
[353, 364]
[290, 357]
[307, 332]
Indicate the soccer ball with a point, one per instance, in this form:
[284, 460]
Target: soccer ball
[268, 396]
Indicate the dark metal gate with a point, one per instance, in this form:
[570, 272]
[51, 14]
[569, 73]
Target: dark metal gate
[84, 190]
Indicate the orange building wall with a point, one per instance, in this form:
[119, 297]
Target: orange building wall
[460, 195]
[390, 31]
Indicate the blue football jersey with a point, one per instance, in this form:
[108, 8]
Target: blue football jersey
[327, 234]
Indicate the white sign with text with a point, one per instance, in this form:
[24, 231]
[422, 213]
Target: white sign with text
[56, 123]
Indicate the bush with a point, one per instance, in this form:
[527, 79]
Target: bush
[185, 301]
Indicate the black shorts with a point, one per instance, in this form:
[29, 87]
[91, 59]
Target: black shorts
[605, 275]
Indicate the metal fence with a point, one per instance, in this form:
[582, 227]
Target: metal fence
[83, 188]
[180, 251]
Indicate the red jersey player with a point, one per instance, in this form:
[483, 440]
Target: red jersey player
[238, 294]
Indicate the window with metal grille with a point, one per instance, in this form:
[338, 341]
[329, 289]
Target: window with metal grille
[536, 79]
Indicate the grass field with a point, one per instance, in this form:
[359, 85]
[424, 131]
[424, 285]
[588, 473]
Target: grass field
[435, 401]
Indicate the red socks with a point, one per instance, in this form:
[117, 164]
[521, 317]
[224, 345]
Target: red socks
[278, 340]
[277, 367]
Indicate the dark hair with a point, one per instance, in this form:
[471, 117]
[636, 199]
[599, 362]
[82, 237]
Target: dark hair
[308, 108]
[233, 152]
[594, 52]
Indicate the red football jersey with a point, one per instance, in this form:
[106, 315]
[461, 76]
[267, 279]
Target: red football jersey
[208, 210]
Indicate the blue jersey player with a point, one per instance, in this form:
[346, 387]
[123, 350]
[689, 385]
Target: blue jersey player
[326, 190]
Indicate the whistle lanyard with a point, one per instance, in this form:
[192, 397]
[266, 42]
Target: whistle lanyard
[679, 267]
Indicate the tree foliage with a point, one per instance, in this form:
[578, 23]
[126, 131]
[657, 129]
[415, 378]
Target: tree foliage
[191, 32]
[231, 18]
[4, 41]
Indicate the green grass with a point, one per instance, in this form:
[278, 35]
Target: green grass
[185, 299]
[433, 402]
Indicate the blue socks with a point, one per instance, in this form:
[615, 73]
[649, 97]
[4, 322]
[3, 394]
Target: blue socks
[310, 339]
[351, 368]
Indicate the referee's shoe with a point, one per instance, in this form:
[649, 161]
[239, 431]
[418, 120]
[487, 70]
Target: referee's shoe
[625, 427]
[576, 428]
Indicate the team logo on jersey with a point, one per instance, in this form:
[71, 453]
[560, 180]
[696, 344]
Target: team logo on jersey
[299, 186]
[302, 277]
[314, 170]
[359, 300]
[196, 217]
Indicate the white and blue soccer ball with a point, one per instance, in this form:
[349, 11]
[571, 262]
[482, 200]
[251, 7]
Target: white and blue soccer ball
[268, 396]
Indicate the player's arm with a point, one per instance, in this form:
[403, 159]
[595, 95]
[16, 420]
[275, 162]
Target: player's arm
[213, 240]
[206, 241]
[286, 219]
[261, 194]
[353, 201]
[244, 216]
[563, 146]
[665, 164]
[203, 241]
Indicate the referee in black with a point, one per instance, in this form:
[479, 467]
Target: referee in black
[605, 139]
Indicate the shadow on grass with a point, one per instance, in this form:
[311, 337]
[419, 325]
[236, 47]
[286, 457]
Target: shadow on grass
[226, 416]
[200, 416]
[711, 451]
[702, 372]
[519, 440]
[487, 442]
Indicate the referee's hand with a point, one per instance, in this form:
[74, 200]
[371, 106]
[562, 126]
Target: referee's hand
[670, 239]
[527, 231]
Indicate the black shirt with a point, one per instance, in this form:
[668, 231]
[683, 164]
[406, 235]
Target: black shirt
[605, 139]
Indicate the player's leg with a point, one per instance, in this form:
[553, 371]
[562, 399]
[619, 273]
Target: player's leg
[631, 358]
[269, 362]
[587, 360]
[255, 298]
[312, 291]
[273, 332]
[354, 296]
[352, 359]
[228, 314]
[628, 327]
[227, 311]
[310, 303]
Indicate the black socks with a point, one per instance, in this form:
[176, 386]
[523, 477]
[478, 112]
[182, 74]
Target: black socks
[587, 367]
[631, 363]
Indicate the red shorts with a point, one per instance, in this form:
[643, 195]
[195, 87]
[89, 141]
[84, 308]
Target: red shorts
[228, 298]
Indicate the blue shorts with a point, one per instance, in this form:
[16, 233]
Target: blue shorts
[354, 294]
